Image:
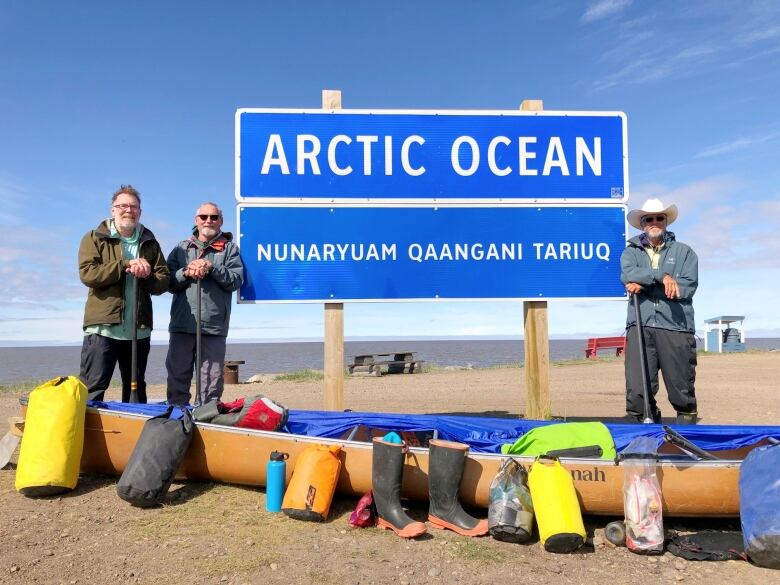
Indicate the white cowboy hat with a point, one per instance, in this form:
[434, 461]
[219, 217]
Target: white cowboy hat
[651, 207]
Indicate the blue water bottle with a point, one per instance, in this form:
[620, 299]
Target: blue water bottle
[274, 484]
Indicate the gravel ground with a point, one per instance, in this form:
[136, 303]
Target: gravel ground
[211, 533]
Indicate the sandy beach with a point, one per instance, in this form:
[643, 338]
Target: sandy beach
[221, 534]
[731, 389]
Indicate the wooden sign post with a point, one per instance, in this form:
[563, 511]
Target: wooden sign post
[334, 315]
[537, 347]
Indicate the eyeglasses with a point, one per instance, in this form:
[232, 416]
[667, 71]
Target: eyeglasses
[126, 207]
[204, 217]
[653, 218]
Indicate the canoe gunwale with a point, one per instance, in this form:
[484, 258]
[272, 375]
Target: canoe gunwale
[500, 457]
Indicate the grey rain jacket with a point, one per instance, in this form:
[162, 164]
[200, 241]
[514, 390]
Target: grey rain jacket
[678, 261]
[226, 276]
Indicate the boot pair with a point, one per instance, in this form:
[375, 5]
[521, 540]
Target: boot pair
[446, 462]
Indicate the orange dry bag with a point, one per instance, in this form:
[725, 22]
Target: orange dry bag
[313, 483]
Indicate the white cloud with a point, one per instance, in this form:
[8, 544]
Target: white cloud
[604, 9]
[763, 34]
[13, 196]
[726, 228]
[686, 40]
[691, 196]
[41, 273]
[737, 144]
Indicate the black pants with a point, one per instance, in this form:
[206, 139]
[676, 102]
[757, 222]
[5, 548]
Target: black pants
[181, 361]
[99, 356]
[674, 353]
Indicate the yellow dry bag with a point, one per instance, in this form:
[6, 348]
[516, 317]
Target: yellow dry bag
[313, 483]
[50, 455]
[557, 509]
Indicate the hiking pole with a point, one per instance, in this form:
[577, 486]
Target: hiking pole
[197, 345]
[643, 361]
[134, 347]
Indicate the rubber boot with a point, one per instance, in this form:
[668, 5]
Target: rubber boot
[386, 474]
[687, 418]
[445, 470]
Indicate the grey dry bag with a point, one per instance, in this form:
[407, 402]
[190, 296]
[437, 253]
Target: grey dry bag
[155, 459]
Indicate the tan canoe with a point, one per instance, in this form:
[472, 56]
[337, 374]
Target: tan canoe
[239, 456]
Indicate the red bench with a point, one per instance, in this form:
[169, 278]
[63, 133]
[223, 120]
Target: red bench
[597, 343]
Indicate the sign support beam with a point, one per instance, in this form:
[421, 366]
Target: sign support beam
[334, 316]
[537, 347]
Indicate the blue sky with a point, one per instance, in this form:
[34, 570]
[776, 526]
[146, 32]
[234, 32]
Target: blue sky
[94, 94]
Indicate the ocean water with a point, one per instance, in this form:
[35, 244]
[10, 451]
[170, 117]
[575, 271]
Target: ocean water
[21, 364]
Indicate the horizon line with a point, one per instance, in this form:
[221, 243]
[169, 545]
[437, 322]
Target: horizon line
[355, 338]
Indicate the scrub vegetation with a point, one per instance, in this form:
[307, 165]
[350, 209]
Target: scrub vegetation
[300, 376]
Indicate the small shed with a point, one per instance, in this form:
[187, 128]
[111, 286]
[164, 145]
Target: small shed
[724, 334]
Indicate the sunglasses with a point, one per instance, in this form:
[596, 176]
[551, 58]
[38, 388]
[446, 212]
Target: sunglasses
[654, 218]
[204, 217]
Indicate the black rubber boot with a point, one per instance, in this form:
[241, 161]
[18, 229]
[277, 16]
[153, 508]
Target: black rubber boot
[445, 470]
[386, 474]
[633, 417]
[687, 418]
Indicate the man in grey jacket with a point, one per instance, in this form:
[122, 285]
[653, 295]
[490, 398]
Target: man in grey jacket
[211, 256]
[661, 274]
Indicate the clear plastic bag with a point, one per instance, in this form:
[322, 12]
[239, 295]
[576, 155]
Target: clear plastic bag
[510, 510]
[642, 502]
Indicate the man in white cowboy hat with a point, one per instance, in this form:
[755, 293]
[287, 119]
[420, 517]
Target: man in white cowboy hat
[661, 274]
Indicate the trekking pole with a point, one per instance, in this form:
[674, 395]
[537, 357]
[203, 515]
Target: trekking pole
[134, 347]
[197, 345]
[643, 361]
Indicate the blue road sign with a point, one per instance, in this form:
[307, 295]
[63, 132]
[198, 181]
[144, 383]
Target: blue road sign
[359, 156]
[363, 253]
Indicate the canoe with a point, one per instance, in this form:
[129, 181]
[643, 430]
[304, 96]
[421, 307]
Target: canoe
[238, 456]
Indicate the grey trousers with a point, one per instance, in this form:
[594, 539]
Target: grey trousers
[674, 353]
[180, 364]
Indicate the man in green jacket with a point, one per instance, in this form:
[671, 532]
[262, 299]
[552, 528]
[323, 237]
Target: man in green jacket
[117, 251]
[662, 275]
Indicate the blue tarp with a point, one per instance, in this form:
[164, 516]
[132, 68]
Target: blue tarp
[482, 434]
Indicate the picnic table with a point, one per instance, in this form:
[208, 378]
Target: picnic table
[377, 364]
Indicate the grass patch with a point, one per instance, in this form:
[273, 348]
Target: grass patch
[510, 365]
[20, 387]
[27, 386]
[583, 361]
[224, 519]
[473, 550]
[306, 375]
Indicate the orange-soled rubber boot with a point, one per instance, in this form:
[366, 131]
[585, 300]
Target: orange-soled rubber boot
[445, 470]
[410, 530]
[386, 474]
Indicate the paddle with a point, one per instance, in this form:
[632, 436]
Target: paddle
[676, 439]
[134, 347]
[643, 361]
[198, 363]
[11, 439]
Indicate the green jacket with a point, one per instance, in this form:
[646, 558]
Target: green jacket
[102, 270]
